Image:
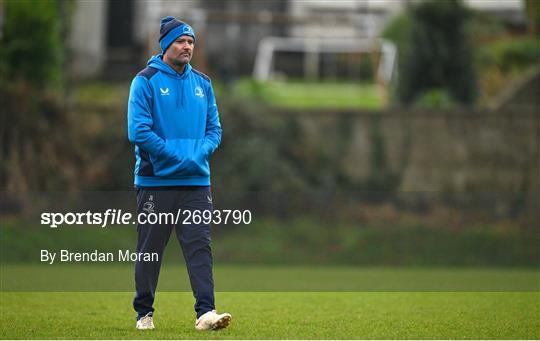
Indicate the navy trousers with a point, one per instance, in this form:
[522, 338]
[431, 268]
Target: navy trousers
[194, 240]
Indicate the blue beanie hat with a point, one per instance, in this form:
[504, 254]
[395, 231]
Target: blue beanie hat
[170, 29]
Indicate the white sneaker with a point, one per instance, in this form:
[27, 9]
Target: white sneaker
[213, 321]
[146, 322]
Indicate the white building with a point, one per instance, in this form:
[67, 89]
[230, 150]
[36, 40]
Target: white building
[115, 38]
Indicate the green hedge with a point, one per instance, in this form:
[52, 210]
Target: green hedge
[305, 241]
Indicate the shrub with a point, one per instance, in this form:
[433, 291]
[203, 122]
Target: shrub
[434, 53]
[31, 45]
[435, 98]
[35, 128]
[510, 55]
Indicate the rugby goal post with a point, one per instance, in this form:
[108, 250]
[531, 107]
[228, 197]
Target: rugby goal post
[312, 48]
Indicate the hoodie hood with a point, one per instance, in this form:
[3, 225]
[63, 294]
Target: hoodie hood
[158, 63]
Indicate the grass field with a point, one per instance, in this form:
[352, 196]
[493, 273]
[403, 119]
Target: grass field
[278, 315]
[277, 303]
[254, 278]
[317, 95]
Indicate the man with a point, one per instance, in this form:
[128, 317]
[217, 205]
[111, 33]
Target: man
[174, 123]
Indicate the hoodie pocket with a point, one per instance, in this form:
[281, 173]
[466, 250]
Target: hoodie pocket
[187, 158]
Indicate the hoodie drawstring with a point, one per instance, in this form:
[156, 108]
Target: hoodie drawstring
[182, 98]
[179, 93]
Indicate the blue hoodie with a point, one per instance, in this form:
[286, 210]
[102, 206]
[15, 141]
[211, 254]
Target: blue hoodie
[174, 123]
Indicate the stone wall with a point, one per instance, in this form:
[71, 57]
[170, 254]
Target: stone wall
[458, 150]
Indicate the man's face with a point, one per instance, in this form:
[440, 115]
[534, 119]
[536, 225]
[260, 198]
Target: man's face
[180, 51]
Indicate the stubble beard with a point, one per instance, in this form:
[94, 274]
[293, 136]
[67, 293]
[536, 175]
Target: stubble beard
[180, 62]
